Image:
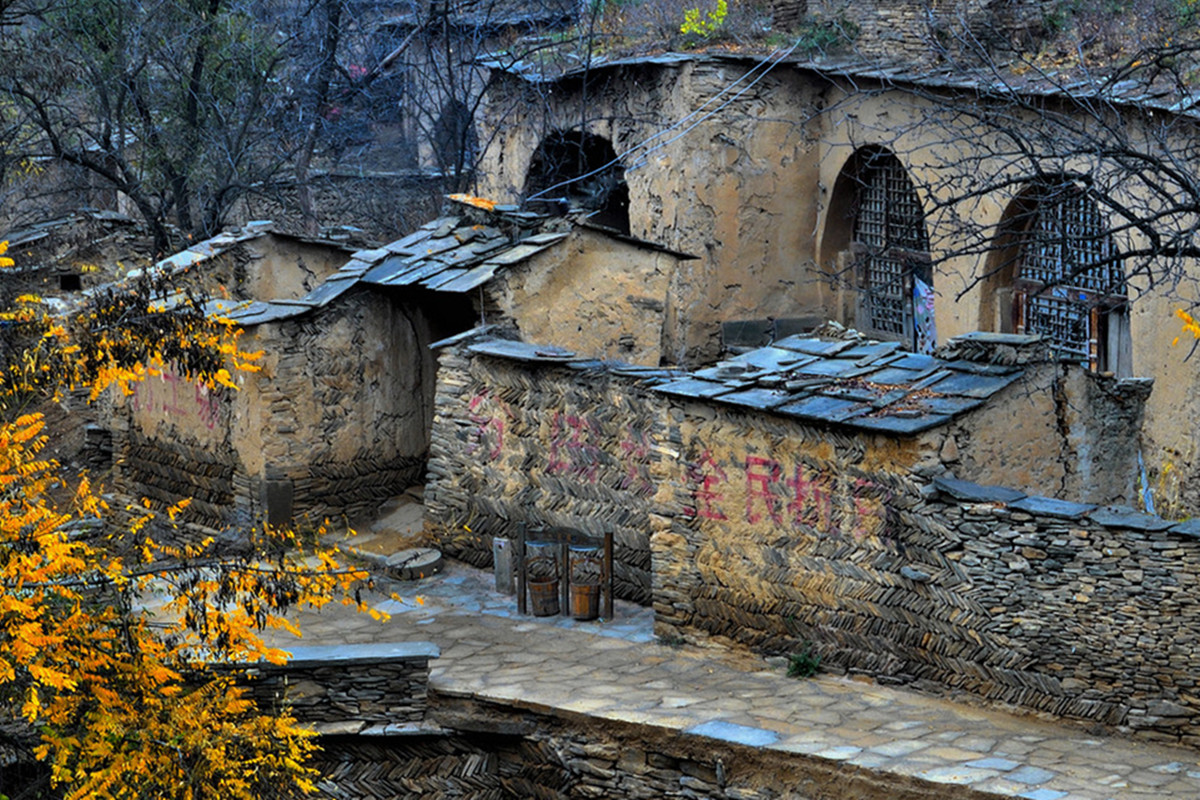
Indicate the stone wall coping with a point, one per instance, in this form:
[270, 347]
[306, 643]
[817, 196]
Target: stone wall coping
[1130, 519]
[352, 654]
[968, 492]
[1189, 528]
[1052, 507]
[1122, 517]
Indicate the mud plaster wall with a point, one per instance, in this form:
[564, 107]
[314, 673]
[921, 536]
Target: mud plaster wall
[737, 191]
[281, 268]
[774, 533]
[341, 409]
[339, 415]
[592, 294]
[1058, 431]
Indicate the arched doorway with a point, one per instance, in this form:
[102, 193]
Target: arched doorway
[580, 171]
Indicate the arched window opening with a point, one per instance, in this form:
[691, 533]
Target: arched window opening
[580, 171]
[1069, 286]
[889, 250]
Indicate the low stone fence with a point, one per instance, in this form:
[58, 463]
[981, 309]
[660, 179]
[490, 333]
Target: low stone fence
[349, 689]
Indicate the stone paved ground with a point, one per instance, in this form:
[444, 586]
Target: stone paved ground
[615, 670]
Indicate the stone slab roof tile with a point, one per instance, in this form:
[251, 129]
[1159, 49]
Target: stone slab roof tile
[388, 268]
[892, 423]
[1129, 519]
[865, 385]
[470, 279]
[1048, 506]
[1188, 528]
[834, 368]
[950, 405]
[773, 358]
[522, 351]
[758, 398]
[694, 388]
[894, 376]
[329, 291]
[872, 351]
[976, 493]
[973, 385]
[823, 407]
[440, 279]
[803, 343]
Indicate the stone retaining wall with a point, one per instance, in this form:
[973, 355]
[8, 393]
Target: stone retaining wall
[492, 751]
[347, 689]
[779, 534]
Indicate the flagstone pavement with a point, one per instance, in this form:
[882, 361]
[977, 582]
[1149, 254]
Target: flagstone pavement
[615, 669]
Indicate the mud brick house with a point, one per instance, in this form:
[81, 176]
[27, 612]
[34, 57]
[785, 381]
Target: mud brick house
[338, 419]
[816, 190]
[909, 517]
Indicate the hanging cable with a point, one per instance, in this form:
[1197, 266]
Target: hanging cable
[774, 58]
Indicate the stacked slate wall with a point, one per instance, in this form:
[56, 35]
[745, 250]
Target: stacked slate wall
[341, 412]
[548, 446]
[349, 688]
[501, 752]
[1031, 602]
[778, 534]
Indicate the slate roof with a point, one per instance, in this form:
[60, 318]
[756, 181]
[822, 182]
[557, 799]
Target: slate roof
[455, 253]
[1146, 89]
[868, 385]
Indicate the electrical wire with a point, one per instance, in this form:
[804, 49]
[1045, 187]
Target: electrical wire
[769, 62]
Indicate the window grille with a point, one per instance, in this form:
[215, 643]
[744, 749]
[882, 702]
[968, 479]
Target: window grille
[891, 243]
[1068, 275]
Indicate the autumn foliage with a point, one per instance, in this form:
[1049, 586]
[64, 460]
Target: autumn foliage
[112, 619]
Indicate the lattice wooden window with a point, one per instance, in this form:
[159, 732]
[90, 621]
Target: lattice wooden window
[890, 246]
[1068, 281]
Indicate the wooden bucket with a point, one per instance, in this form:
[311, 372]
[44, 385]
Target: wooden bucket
[543, 598]
[585, 601]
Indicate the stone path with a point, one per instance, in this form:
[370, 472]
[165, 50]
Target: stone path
[615, 670]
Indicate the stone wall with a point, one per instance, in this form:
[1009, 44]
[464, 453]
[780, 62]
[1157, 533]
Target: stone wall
[491, 751]
[383, 204]
[559, 447]
[342, 409]
[754, 190]
[1029, 601]
[347, 689]
[777, 534]
[336, 422]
